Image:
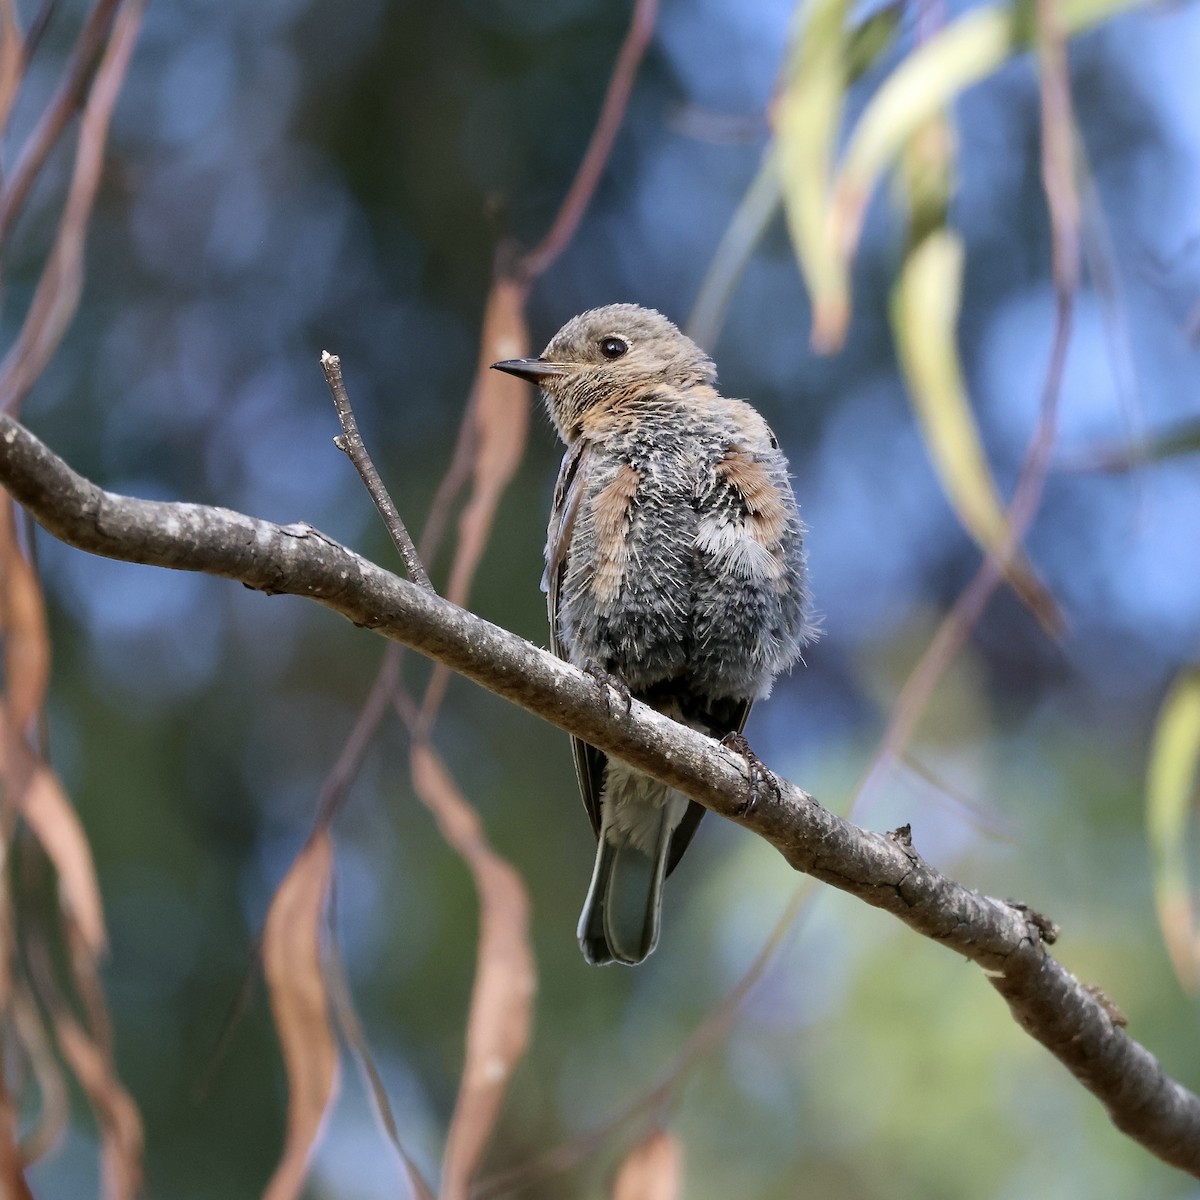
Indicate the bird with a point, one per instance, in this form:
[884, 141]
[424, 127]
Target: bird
[676, 574]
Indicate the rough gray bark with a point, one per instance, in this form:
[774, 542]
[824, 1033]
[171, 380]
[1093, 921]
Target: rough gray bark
[1076, 1024]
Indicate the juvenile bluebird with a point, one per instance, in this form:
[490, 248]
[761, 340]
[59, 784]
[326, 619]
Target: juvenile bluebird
[675, 571]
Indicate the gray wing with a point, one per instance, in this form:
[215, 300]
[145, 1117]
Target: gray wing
[568, 495]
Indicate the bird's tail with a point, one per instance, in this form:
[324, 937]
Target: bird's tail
[620, 916]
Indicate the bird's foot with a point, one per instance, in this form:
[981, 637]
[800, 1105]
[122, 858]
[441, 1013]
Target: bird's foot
[610, 683]
[760, 776]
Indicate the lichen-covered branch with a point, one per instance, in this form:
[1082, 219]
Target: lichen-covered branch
[1074, 1022]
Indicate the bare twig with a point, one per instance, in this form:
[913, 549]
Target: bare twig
[1058, 148]
[612, 113]
[61, 282]
[884, 871]
[656, 1099]
[452, 482]
[54, 120]
[356, 450]
[342, 1003]
[1111, 458]
[1105, 276]
[38, 26]
[345, 770]
[742, 235]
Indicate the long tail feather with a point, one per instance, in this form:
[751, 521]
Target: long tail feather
[620, 918]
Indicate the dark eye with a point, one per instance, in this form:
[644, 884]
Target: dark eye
[613, 347]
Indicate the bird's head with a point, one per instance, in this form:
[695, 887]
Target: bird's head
[619, 349]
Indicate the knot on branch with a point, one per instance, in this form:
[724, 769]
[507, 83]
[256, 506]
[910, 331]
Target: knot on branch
[1047, 930]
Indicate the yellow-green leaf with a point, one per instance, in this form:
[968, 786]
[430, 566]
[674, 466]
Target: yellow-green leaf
[965, 51]
[1170, 794]
[925, 307]
[764, 196]
[807, 118]
[926, 182]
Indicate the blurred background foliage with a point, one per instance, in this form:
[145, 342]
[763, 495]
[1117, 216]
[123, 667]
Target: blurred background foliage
[296, 175]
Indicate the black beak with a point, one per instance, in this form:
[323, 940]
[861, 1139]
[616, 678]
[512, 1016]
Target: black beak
[533, 369]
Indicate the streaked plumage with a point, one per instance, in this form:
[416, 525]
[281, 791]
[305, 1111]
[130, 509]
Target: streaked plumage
[674, 562]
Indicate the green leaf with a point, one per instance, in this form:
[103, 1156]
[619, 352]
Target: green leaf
[965, 51]
[863, 45]
[925, 309]
[808, 117]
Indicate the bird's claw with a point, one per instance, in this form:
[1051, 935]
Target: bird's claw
[760, 775]
[610, 683]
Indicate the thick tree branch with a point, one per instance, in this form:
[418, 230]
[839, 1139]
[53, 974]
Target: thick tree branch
[1077, 1026]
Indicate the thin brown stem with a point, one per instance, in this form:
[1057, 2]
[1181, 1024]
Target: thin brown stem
[60, 285]
[595, 158]
[355, 448]
[58, 113]
[340, 780]
[38, 26]
[342, 1003]
[655, 1099]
